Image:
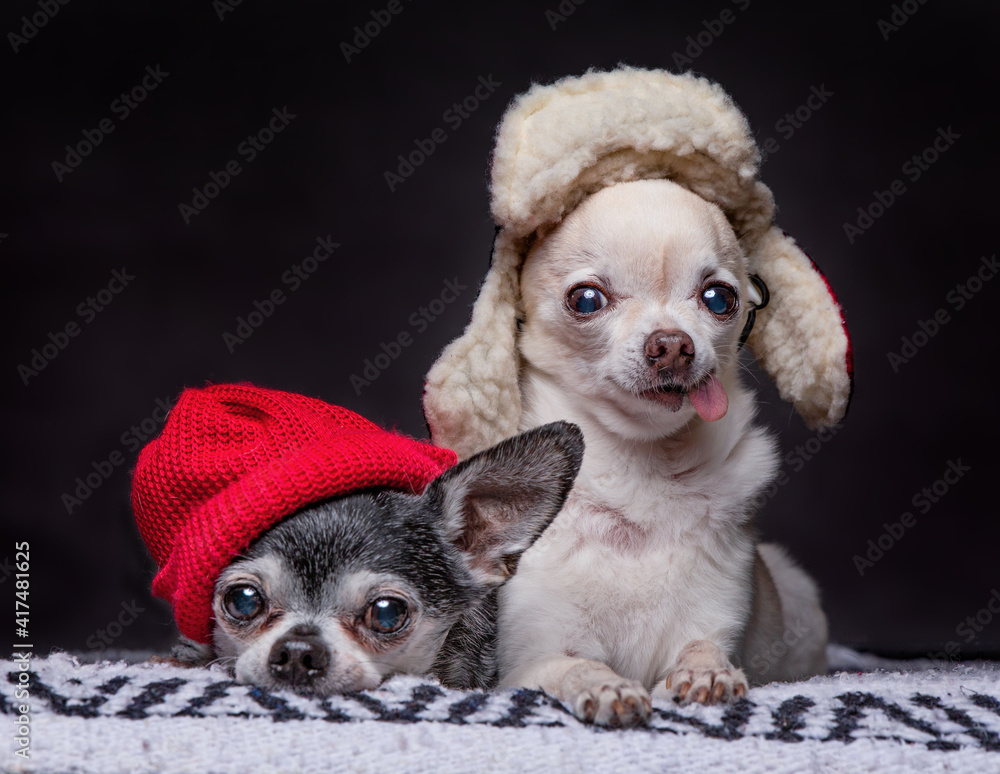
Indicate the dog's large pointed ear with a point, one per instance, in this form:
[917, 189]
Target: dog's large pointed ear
[497, 502]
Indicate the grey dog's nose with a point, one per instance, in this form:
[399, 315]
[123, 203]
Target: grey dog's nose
[300, 656]
[669, 351]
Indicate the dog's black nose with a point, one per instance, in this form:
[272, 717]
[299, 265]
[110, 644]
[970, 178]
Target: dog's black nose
[669, 350]
[300, 656]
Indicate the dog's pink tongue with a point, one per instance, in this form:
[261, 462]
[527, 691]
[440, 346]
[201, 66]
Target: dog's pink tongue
[710, 399]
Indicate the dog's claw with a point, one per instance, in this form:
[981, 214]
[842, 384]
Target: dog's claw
[616, 705]
[705, 681]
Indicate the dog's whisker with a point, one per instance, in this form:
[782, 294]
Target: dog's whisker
[225, 661]
[753, 374]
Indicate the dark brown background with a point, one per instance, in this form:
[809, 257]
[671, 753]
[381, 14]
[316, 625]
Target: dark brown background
[324, 176]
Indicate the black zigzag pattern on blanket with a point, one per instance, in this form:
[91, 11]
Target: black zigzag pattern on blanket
[846, 718]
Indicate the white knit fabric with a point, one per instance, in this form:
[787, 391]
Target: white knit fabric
[116, 717]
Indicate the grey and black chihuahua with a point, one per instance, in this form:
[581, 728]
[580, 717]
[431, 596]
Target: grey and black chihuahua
[344, 593]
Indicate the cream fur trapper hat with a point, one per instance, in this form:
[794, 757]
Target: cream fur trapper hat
[558, 144]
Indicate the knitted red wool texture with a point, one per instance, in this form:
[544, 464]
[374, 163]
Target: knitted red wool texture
[233, 459]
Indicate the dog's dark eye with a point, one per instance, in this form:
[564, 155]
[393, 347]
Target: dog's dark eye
[720, 300]
[586, 299]
[244, 602]
[387, 615]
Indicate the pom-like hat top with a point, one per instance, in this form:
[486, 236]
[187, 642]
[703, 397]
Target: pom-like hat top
[233, 459]
[558, 144]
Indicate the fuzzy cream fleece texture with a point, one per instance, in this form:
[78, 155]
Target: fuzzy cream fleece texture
[558, 144]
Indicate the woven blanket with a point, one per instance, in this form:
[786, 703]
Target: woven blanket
[121, 717]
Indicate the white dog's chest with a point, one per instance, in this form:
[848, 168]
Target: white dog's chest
[631, 592]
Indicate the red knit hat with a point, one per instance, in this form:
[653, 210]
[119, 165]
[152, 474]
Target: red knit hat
[233, 459]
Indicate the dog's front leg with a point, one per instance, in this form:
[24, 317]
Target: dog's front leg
[703, 674]
[594, 691]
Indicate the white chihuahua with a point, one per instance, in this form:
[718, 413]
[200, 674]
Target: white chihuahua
[650, 581]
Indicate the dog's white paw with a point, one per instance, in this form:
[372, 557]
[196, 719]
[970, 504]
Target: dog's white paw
[704, 675]
[618, 703]
[706, 686]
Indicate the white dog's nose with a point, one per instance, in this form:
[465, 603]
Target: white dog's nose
[670, 351]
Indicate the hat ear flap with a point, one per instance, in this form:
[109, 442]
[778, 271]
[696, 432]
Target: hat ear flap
[471, 396]
[800, 338]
